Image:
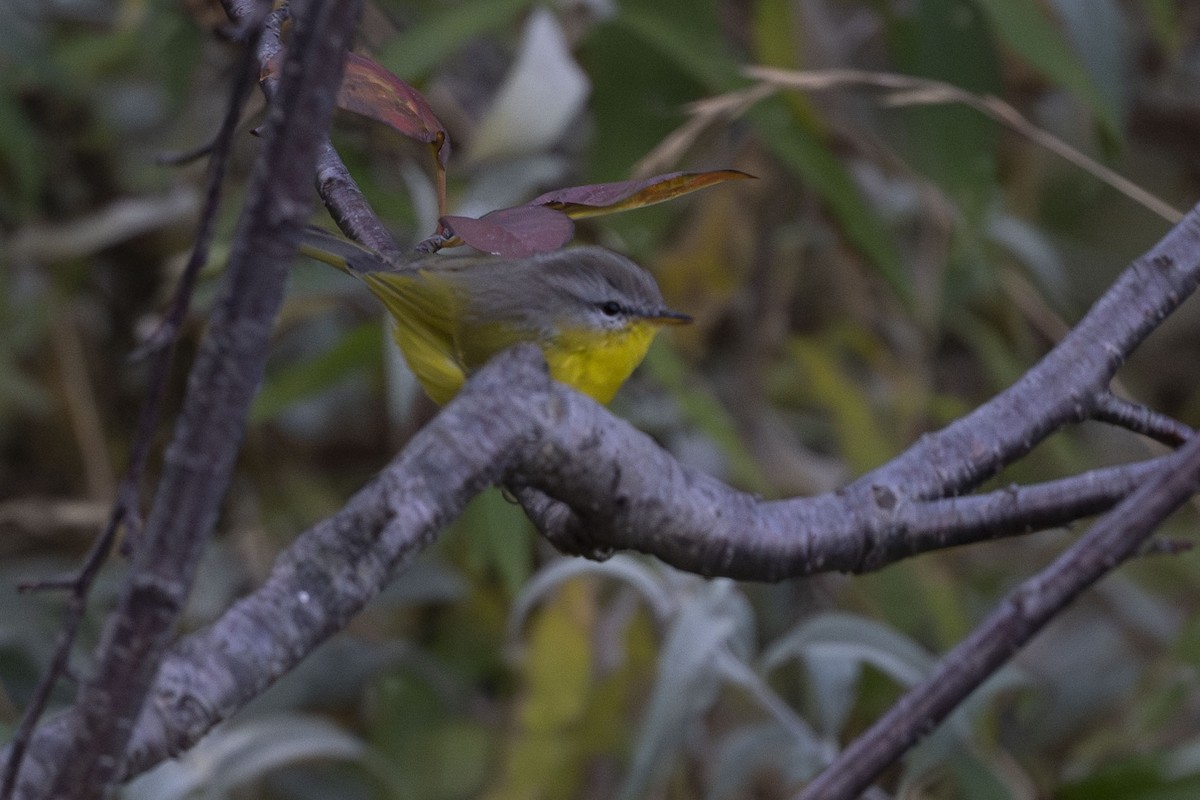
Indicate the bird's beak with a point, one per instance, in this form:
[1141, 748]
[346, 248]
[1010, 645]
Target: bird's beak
[666, 317]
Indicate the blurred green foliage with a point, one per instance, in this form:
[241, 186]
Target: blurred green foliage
[893, 266]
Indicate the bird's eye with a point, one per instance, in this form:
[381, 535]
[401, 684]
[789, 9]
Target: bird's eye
[611, 308]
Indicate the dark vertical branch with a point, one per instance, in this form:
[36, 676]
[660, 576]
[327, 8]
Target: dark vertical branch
[1113, 540]
[161, 349]
[224, 378]
[337, 187]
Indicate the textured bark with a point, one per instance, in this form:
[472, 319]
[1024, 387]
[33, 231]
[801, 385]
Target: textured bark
[592, 483]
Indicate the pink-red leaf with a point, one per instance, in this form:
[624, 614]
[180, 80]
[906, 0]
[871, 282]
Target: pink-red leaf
[513, 232]
[370, 90]
[608, 198]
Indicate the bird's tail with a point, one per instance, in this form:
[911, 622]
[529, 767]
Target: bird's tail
[351, 258]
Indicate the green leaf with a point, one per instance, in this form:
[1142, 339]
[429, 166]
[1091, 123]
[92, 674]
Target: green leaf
[1025, 26]
[694, 48]
[548, 750]
[976, 778]
[359, 347]
[633, 573]
[833, 647]
[862, 440]
[416, 51]
[774, 42]
[949, 743]
[1133, 778]
[1165, 20]
[432, 750]
[705, 411]
[250, 751]
[637, 98]
[746, 753]
[462, 756]
[499, 539]
[646, 63]
[714, 623]
[850, 637]
[698, 52]
[949, 40]
[807, 154]
[22, 161]
[1099, 32]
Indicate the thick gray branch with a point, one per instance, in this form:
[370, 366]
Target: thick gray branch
[873, 519]
[510, 421]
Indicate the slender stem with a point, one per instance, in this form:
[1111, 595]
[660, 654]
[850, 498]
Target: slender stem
[1114, 539]
[125, 508]
[1139, 419]
[227, 371]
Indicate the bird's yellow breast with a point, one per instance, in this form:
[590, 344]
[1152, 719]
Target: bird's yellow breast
[598, 362]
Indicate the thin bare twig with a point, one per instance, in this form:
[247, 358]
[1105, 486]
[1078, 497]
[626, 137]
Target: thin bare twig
[909, 90]
[118, 221]
[1116, 538]
[1111, 406]
[80, 402]
[1139, 419]
[226, 373]
[126, 511]
[184, 157]
[166, 335]
[702, 115]
[80, 586]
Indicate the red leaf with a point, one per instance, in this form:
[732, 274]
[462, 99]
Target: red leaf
[513, 232]
[370, 90]
[607, 198]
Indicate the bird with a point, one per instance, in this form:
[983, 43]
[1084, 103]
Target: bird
[593, 312]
